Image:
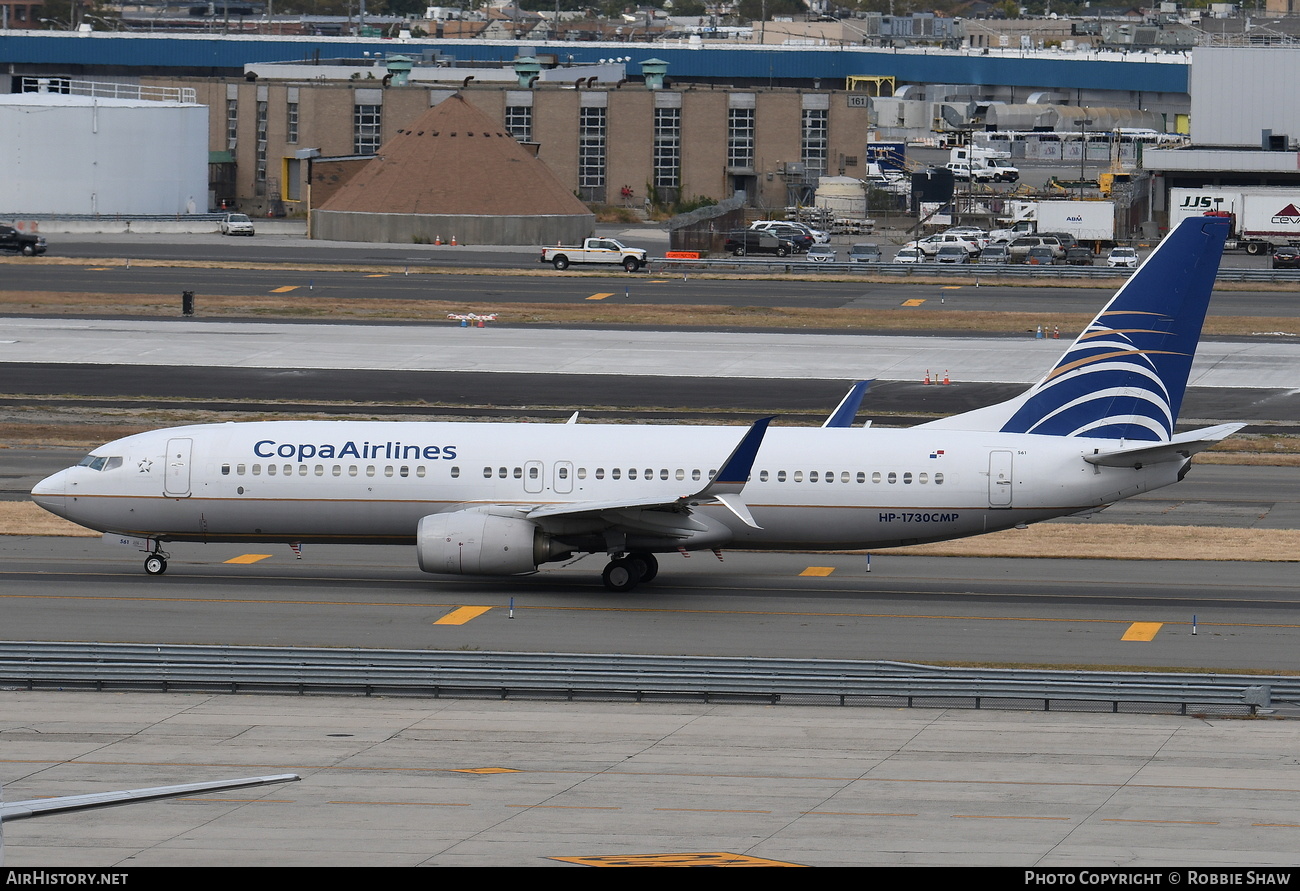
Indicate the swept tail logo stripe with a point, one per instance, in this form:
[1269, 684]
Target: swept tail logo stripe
[1125, 375]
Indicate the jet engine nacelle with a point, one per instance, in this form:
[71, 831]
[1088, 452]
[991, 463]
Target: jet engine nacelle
[466, 542]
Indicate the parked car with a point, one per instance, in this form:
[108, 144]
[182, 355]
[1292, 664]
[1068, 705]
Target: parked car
[1041, 255]
[909, 255]
[1020, 247]
[1286, 257]
[977, 237]
[236, 224]
[995, 253]
[864, 253]
[754, 241]
[952, 253]
[1079, 256]
[1065, 238]
[931, 243]
[817, 235]
[821, 253]
[25, 243]
[1122, 258]
[796, 236]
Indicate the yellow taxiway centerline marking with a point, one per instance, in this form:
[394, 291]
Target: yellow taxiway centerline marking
[283, 289]
[248, 558]
[915, 301]
[1142, 631]
[377, 275]
[818, 570]
[462, 614]
[951, 288]
[600, 296]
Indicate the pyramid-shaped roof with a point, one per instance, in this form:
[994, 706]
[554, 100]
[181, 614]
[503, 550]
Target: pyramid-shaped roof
[455, 160]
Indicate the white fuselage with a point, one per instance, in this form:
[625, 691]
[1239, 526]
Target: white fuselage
[351, 481]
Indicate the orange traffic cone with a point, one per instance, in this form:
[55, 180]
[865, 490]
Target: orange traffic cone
[945, 378]
[453, 240]
[927, 377]
[437, 239]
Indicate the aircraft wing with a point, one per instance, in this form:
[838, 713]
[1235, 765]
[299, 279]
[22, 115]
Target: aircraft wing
[847, 410]
[724, 489]
[1179, 448]
[39, 807]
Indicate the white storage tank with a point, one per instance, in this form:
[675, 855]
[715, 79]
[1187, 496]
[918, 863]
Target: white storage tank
[71, 154]
[843, 196]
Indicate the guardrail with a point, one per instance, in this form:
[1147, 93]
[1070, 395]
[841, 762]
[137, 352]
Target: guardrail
[34, 666]
[799, 266]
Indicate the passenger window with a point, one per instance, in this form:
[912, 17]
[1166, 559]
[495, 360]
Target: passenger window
[695, 475]
[532, 473]
[938, 479]
[519, 473]
[923, 478]
[455, 473]
[352, 470]
[614, 474]
[225, 470]
[270, 470]
[798, 476]
[582, 473]
[780, 476]
[600, 473]
[502, 472]
[370, 470]
[762, 476]
[563, 473]
[681, 474]
[844, 476]
[893, 477]
[875, 476]
[487, 473]
[240, 468]
[812, 476]
[404, 471]
[631, 473]
[337, 470]
[907, 479]
[257, 470]
[862, 477]
[388, 470]
[419, 471]
[320, 469]
[663, 474]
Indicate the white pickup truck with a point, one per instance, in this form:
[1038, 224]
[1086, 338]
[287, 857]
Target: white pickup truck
[595, 250]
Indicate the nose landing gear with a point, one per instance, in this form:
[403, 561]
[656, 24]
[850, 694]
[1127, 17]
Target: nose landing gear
[156, 562]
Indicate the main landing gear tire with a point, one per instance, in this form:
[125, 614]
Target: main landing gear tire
[622, 575]
[155, 565]
[649, 565]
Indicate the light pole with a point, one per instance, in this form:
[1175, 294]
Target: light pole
[1084, 123]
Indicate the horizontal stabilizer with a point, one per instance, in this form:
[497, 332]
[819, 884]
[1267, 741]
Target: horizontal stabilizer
[1180, 448]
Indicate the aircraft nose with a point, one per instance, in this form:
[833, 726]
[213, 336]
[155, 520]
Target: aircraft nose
[50, 492]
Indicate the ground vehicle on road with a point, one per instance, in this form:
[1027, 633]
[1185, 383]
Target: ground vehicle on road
[607, 251]
[1286, 257]
[1122, 258]
[865, 253]
[909, 255]
[1261, 218]
[821, 253]
[757, 241]
[236, 224]
[1079, 256]
[19, 242]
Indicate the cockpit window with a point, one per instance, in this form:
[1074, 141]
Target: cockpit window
[100, 462]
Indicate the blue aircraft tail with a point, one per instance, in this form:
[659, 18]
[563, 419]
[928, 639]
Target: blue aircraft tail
[1124, 377]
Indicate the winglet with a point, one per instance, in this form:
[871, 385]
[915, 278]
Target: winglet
[847, 410]
[734, 473]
